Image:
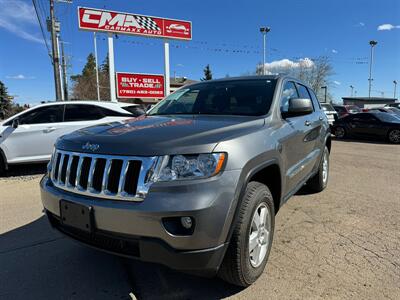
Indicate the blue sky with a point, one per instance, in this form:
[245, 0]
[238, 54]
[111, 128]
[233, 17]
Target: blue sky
[225, 35]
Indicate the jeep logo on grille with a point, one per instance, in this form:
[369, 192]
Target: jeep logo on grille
[91, 147]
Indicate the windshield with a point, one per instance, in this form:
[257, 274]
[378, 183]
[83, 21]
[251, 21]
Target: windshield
[247, 98]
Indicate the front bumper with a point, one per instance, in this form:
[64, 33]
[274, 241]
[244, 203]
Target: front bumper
[135, 229]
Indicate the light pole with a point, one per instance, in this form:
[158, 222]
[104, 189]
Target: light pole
[352, 89]
[326, 90]
[395, 86]
[264, 31]
[373, 44]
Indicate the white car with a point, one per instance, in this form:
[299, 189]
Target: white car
[29, 136]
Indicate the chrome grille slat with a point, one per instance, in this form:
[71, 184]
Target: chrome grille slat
[105, 176]
[117, 180]
[78, 172]
[60, 168]
[122, 177]
[68, 169]
[91, 173]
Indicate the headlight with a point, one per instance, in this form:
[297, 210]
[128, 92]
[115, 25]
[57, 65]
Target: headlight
[50, 163]
[178, 167]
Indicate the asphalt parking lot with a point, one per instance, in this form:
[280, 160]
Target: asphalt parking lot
[341, 244]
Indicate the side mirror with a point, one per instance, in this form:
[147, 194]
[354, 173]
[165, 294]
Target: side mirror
[15, 123]
[299, 107]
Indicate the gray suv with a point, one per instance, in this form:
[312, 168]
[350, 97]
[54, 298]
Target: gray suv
[196, 182]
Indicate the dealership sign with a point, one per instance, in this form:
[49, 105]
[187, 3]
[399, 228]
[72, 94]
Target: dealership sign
[125, 23]
[130, 85]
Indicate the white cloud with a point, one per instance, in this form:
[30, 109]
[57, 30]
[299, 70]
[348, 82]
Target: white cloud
[20, 77]
[337, 82]
[334, 51]
[16, 16]
[286, 64]
[388, 27]
[360, 24]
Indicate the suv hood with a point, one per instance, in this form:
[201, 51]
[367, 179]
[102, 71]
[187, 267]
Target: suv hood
[160, 135]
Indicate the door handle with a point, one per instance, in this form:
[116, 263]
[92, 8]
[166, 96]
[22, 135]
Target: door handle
[321, 118]
[49, 129]
[307, 123]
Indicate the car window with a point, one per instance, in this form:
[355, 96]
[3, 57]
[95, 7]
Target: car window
[41, 115]
[134, 110]
[304, 94]
[112, 113]
[316, 101]
[289, 92]
[82, 112]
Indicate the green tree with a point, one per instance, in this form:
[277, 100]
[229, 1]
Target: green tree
[104, 79]
[207, 73]
[84, 84]
[5, 102]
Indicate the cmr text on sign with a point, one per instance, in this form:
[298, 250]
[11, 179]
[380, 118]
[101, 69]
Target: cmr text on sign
[131, 85]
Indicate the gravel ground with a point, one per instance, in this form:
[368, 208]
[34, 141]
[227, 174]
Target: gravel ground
[343, 243]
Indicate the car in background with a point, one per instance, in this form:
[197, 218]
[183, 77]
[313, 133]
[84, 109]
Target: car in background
[330, 112]
[345, 110]
[369, 125]
[396, 104]
[29, 136]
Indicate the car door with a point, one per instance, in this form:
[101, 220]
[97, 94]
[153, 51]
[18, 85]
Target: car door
[295, 146]
[35, 135]
[365, 124]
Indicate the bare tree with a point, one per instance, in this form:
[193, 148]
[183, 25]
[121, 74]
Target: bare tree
[315, 72]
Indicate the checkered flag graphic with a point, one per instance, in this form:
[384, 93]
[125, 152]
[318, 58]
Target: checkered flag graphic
[147, 23]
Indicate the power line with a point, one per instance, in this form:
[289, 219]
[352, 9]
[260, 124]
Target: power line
[41, 28]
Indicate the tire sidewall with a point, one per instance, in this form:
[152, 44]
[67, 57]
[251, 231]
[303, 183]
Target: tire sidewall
[321, 168]
[251, 273]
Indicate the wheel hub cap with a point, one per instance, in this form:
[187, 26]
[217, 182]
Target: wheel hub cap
[259, 235]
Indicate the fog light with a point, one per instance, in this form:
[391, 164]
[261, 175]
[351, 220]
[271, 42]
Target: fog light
[186, 222]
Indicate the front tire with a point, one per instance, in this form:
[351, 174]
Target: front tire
[251, 242]
[320, 180]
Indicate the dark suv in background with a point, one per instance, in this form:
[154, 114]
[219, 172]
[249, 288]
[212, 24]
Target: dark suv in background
[195, 184]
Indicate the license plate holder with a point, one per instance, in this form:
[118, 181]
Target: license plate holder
[76, 215]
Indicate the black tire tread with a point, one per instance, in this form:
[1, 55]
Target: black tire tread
[231, 270]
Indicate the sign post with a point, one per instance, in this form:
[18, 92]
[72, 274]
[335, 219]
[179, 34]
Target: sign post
[167, 87]
[111, 67]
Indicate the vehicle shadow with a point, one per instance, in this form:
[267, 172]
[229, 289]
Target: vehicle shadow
[25, 170]
[39, 263]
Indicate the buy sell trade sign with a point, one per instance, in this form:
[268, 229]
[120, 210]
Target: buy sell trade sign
[131, 85]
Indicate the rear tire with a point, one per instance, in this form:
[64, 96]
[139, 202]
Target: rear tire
[251, 242]
[320, 180]
[394, 136]
[340, 132]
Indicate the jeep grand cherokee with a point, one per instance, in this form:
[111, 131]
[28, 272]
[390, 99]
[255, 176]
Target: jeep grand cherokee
[195, 183]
